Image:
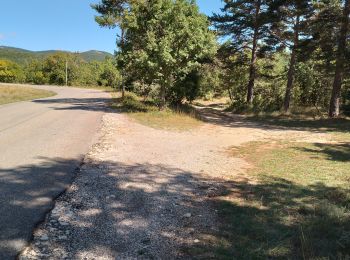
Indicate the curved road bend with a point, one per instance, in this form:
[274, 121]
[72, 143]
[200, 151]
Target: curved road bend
[41, 144]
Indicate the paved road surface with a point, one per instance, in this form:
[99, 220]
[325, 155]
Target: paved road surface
[41, 144]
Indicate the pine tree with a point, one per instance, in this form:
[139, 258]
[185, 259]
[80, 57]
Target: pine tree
[289, 26]
[112, 14]
[340, 61]
[247, 23]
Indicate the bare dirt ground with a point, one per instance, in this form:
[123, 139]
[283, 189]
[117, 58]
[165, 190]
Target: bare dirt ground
[144, 193]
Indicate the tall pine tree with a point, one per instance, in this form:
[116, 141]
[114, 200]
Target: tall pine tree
[112, 14]
[289, 28]
[247, 23]
[334, 106]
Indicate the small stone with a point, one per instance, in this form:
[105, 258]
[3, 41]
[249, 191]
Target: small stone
[62, 237]
[44, 238]
[196, 241]
[188, 215]
[110, 197]
[62, 223]
[69, 214]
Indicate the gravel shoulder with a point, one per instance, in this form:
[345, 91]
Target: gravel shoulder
[144, 193]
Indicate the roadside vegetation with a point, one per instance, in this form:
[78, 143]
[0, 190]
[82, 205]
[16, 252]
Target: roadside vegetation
[52, 71]
[146, 112]
[10, 94]
[292, 58]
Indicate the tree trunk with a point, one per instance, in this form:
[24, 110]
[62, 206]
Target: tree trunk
[291, 71]
[162, 97]
[252, 68]
[122, 72]
[335, 99]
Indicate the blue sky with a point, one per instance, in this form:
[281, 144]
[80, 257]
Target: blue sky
[61, 25]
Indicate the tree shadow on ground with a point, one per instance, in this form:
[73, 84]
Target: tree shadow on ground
[116, 210]
[339, 152]
[278, 219]
[205, 113]
[228, 119]
[26, 194]
[85, 104]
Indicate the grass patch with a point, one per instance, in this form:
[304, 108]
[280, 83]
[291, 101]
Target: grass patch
[298, 209]
[147, 113]
[10, 94]
[101, 88]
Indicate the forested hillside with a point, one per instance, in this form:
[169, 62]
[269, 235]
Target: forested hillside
[22, 56]
[91, 68]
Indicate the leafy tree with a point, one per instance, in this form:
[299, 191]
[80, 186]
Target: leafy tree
[166, 40]
[234, 76]
[247, 22]
[11, 72]
[210, 83]
[110, 75]
[34, 73]
[54, 68]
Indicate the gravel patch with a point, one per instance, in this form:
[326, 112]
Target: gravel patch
[118, 209]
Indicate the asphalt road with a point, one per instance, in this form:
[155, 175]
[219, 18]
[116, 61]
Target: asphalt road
[41, 144]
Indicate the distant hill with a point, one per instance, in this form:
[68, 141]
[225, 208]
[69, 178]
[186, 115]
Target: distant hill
[20, 56]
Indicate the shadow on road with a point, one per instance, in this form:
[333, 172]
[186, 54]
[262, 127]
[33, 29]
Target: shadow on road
[26, 194]
[88, 104]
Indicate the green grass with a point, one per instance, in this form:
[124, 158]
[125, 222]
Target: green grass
[147, 113]
[10, 94]
[298, 207]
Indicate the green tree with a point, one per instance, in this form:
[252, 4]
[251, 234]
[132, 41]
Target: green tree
[166, 40]
[34, 73]
[247, 22]
[54, 68]
[292, 22]
[334, 106]
[11, 72]
[112, 13]
[109, 75]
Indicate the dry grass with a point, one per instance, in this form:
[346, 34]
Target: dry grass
[102, 88]
[148, 114]
[168, 120]
[10, 94]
